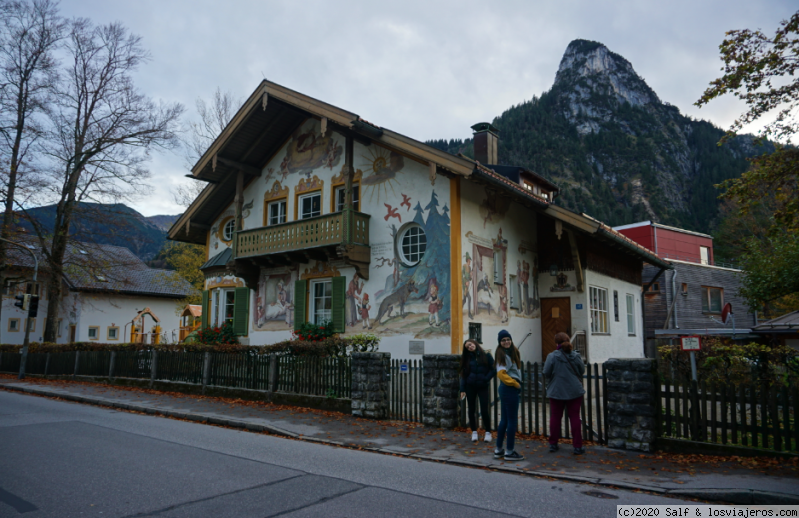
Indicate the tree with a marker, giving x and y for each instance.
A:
(762, 71)
(198, 137)
(186, 259)
(102, 129)
(29, 34)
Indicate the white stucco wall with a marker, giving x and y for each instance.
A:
(618, 343)
(106, 311)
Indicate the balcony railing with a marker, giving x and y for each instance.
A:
(321, 231)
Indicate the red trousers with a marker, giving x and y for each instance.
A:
(572, 406)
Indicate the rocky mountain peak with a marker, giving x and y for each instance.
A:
(593, 82)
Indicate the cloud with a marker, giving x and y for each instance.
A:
(425, 69)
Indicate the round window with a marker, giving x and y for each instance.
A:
(227, 232)
(412, 244)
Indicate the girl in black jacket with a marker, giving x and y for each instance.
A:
(477, 369)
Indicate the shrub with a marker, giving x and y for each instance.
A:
(310, 332)
(722, 360)
(220, 335)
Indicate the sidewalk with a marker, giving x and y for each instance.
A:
(726, 479)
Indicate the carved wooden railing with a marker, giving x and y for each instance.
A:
(308, 233)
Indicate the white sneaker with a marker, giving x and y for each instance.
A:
(487, 437)
(474, 436)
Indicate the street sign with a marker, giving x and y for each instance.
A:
(403, 367)
(691, 343)
(579, 306)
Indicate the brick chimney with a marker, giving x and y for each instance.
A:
(486, 140)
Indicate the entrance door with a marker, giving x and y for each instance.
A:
(556, 317)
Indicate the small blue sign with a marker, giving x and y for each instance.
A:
(579, 306)
(403, 367)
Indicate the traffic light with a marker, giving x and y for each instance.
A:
(34, 306)
(23, 302)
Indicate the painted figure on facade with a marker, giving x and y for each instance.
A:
(522, 302)
(502, 290)
(364, 308)
(526, 287)
(308, 150)
(466, 274)
(274, 309)
(435, 304)
(398, 298)
(353, 291)
(485, 295)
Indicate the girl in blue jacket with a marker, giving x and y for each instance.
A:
(477, 369)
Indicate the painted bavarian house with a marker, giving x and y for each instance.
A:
(312, 213)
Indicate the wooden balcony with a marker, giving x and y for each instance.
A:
(320, 238)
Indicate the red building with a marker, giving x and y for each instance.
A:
(671, 242)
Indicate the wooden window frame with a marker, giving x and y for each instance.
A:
(684, 289)
(108, 333)
(220, 233)
(268, 203)
(18, 329)
(333, 198)
(596, 327)
(307, 194)
(630, 301)
(96, 335)
(311, 313)
(706, 298)
(398, 245)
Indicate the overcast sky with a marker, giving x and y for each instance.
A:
(426, 69)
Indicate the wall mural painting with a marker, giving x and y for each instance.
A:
(493, 208)
(274, 301)
(223, 281)
(216, 231)
(308, 150)
(527, 279)
(414, 300)
(380, 172)
(484, 280)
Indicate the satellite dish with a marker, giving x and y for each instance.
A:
(726, 312)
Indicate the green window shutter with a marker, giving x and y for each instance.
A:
(205, 316)
(300, 289)
(339, 290)
(241, 311)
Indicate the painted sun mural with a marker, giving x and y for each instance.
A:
(380, 172)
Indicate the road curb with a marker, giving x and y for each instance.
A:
(732, 496)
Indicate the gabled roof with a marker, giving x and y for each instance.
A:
(97, 268)
(515, 173)
(260, 127)
(788, 323)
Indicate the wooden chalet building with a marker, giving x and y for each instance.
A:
(688, 300)
(312, 213)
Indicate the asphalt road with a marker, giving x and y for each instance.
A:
(61, 459)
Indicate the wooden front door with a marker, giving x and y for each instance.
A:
(556, 317)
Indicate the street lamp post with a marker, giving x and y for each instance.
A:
(26, 341)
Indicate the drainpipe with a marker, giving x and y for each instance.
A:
(655, 232)
(673, 303)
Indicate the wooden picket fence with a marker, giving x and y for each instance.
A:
(331, 377)
(406, 400)
(750, 414)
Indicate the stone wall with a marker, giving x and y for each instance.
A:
(631, 403)
(441, 390)
(370, 385)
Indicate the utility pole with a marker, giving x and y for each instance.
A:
(26, 341)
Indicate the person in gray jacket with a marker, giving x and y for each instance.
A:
(564, 373)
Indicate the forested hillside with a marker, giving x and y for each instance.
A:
(616, 151)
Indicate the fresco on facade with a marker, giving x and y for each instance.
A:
(485, 289)
(274, 302)
(414, 300)
(493, 208)
(307, 150)
(527, 280)
(380, 168)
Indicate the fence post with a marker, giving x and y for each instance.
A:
(631, 403)
(46, 364)
(111, 365)
(440, 403)
(273, 372)
(77, 359)
(206, 369)
(153, 367)
(370, 385)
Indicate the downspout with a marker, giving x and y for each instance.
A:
(655, 232)
(643, 304)
(673, 303)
